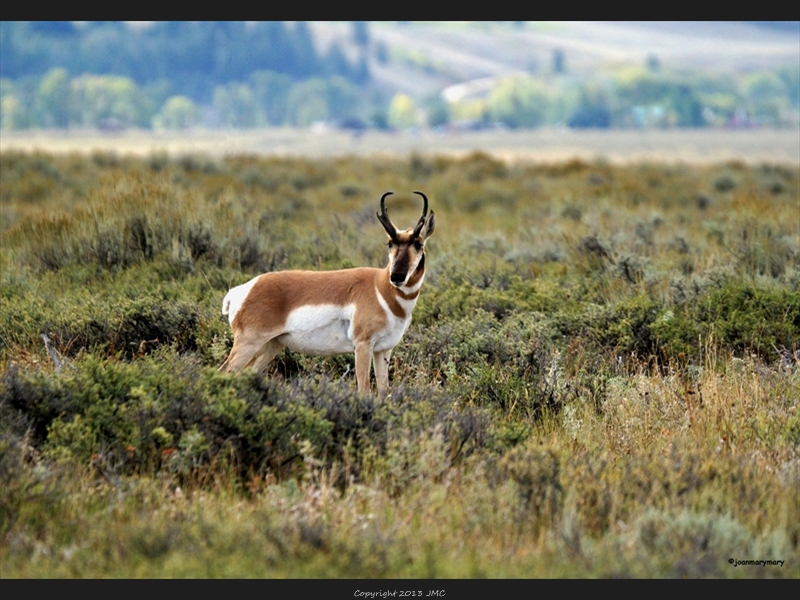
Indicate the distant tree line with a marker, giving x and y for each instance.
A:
(172, 75)
(193, 56)
(263, 99)
(646, 96)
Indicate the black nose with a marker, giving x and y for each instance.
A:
(397, 278)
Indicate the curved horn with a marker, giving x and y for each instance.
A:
(421, 222)
(384, 218)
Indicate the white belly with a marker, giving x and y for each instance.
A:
(321, 330)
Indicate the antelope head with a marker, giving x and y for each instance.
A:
(406, 247)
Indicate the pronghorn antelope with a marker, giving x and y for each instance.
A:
(362, 310)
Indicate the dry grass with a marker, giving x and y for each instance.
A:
(601, 379)
(701, 146)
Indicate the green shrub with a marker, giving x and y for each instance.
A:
(169, 412)
(694, 545)
(746, 317)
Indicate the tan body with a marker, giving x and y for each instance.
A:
(362, 310)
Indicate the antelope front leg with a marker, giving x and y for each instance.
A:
(363, 361)
(381, 363)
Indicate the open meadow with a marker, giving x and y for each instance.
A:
(601, 378)
(622, 146)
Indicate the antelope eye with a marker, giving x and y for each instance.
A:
(417, 246)
(389, 244)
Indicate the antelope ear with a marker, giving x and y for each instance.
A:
(427, 229)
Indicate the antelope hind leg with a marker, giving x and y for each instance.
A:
(246, 348)
(269, 351)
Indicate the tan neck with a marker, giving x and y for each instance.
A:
(391, 293)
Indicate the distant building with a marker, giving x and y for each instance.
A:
(475, 89)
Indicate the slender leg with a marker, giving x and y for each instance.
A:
(363, 360)
(270, 350)
(381, 365)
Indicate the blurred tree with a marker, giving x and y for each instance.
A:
(18, 101)
(320, 99)
(96, 98)
(342, 98)
(193, 58)
(307, 103)
(196, 56)
(766, 95)
(6, 87)
(718, 94)
(402, 112)
(9, 105)
(790, 75)
(469, 111)
(178, 112)
(593, 109)
(688, 109)
(377, 110)
(11, 114)
(763, 85)
(437, 111)
(271, 91)
(638, 86)
(157, 93)
(235, 105)
(52, 99)
(518, 102)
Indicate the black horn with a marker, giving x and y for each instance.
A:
(384, 218)
(421, 222)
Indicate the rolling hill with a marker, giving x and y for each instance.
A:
(425, 57)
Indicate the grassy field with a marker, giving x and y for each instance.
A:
(690, 146)
(602, 376)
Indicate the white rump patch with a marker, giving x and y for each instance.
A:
(235, 297)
